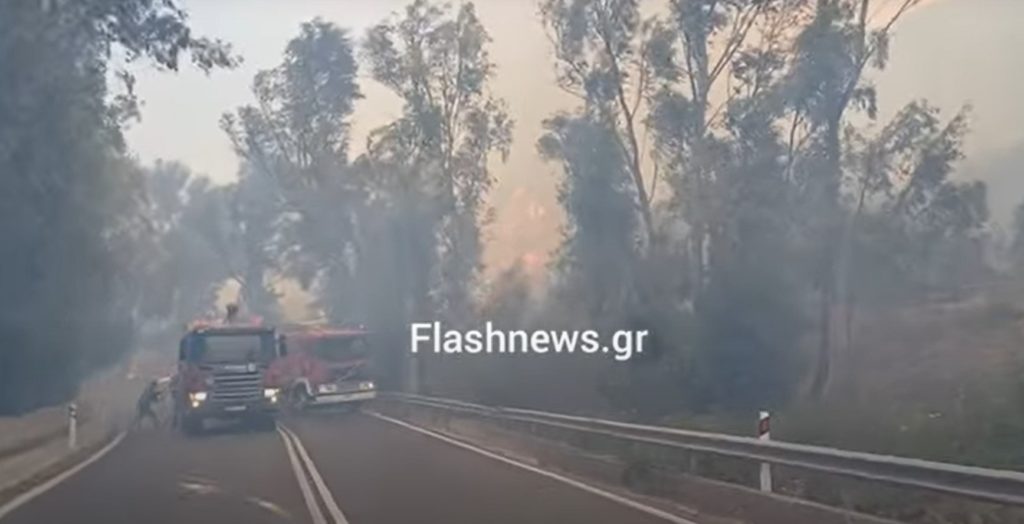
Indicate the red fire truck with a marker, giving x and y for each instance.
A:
(326, 366)
(227, 371)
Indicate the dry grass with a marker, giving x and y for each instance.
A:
(937, 382)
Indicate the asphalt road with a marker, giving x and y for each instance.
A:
(337, 469)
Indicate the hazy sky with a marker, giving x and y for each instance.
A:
(949, 51)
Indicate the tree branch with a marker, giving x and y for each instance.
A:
(740, 30)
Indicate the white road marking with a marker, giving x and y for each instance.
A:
(199, 488)
(300, 477)
(318, 481)
(650, 510)
(270, 506)
(27, 496)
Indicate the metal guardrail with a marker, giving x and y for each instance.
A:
(991, 485)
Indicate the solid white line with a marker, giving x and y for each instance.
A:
(650, 510)
(321, 486)
(27, 496)
(300, 477)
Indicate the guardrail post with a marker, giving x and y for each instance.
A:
(764, 432)
(72, 426)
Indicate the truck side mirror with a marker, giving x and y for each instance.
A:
(181, 350)
(282, 345)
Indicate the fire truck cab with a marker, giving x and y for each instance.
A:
(328, 367)
(227, 372)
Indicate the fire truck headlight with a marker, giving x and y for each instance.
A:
(366, 385)
(271, 394)
(197, 398)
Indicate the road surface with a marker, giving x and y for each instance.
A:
(338, 469)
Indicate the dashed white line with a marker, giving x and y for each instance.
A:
(650, 510)
(27, 496)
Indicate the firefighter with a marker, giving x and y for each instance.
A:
(144, 406)
(232, 314)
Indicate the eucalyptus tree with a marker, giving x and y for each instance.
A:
(68, 197)
(294, 203)
(438, 63)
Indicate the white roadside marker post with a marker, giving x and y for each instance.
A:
(764, 433)
(72, 426)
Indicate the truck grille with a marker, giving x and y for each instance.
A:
(237, 387)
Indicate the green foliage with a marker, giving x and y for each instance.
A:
(779, 204)
(292, 208)
(71, 202)
(439, 65)
(778, 197)
(599, 253)
(748, 326)
(607, 55)
(914, 227)
(728, 187)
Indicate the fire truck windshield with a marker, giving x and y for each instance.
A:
(214, 348)
(339, 349)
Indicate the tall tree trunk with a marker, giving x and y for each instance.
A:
(633, 149)
(823, 363)
(847, 258)
(830, 234)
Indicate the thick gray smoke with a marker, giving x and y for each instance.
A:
(727, 183)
